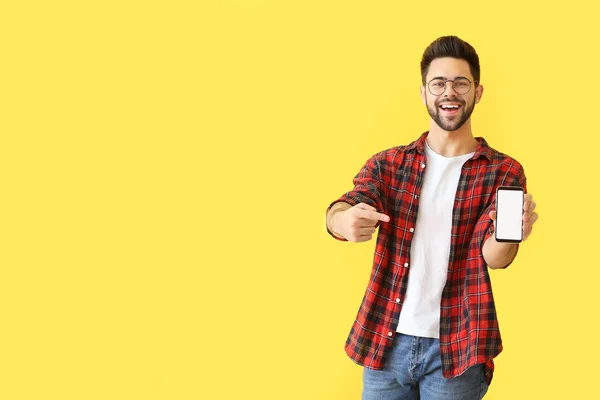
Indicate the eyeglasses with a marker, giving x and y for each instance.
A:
(437, 86)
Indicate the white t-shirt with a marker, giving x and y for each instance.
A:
(430, 249)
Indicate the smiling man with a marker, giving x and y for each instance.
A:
(427, 326)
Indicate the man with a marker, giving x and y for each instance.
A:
(427, 326)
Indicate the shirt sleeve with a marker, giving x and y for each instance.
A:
(368, 188)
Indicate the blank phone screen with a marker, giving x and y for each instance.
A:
(509, 215)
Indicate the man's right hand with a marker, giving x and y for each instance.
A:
(358, 223)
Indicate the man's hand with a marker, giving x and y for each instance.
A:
(499, 254)
(529, 215)
(358, 223)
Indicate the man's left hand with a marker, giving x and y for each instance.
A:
(529, 215)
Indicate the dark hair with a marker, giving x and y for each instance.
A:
(451, 46)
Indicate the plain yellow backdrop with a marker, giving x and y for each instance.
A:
(165, 167)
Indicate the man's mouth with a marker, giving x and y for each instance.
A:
(450, 108)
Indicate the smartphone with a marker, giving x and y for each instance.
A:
(509, 214)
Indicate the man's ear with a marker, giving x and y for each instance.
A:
(478, 93)
(423, 95)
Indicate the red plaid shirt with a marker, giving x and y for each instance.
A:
(391, 181)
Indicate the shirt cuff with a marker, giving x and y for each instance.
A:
(489, 233)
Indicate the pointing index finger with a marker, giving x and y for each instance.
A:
(374, 215)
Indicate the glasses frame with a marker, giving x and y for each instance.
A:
(451, 80)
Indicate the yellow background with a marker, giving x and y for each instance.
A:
(165, 167)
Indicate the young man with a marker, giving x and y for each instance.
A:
(427, 326)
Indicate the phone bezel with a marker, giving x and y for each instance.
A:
(497, 214)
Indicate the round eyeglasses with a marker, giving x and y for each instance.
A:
(437, 86)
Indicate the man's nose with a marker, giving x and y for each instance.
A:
(450, 92)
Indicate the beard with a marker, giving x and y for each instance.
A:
(456, 121)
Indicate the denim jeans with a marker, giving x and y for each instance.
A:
(413, 371)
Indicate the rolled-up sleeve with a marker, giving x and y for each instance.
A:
(368, 188)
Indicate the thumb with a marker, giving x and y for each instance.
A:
(493, 215)
(365, 206)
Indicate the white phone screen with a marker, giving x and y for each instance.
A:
(509, 214)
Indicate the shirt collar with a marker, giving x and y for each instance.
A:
(483, 149)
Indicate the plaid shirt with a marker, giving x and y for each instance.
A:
(391, 182)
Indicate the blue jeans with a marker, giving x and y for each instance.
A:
(413, 371)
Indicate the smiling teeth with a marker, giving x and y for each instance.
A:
(449, 106)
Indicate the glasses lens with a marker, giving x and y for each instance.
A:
(462, 85)
(437, 86)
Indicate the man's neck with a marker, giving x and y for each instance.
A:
(452, 144)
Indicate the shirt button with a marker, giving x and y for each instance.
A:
(412, 229)
(406, 264)
(398, 300)
(423, 165)
(390, 334)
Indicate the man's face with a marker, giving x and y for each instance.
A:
(450, 110)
